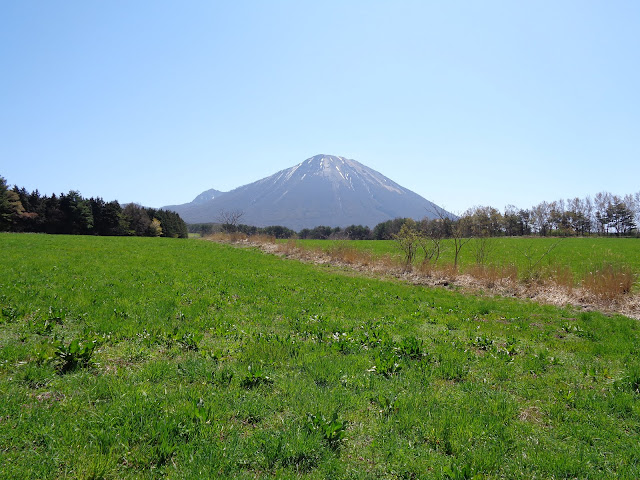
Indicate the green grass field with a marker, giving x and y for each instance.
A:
(163, 358)
(581, 255)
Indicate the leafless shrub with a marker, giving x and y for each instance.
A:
(483, 246)
(533, 270)
(430, 242)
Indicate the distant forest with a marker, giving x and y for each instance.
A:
(605, 214)
(70, 213)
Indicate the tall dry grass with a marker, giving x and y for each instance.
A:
(237, 237)
(492, 275)
(562, 276)
(262, 238)
(226, 237)
(609, 281)
(343, 253)
(289, 247)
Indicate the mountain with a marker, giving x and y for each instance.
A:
(322, 190)
(204, 197)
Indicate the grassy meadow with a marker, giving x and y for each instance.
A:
(581, 254)
(164, 358)
(545, 255)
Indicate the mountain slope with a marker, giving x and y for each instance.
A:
(204, 197)
(322, 190)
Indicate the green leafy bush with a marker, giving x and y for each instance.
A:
(412, 348)
(333, 431)
(386, 363)
(76, 354)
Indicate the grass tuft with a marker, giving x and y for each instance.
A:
(609, 281)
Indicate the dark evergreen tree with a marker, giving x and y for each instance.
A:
(53, 216)
(620, 217)
(201, 228)
(107, 217)
(357, 232)
(278, 231)
(136, 220)
(34, 218)
(171, 223)
(246, 229)
(389, 229)
(321, 232)
(21, 211)
(6, 208)
(77, 215)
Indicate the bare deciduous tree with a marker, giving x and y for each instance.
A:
(534, 259)
(430, 240)
(483, 246)
(460, 238)
(458, 229)
(230, 219)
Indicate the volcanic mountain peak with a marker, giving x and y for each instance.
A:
(338, 171)
(322, 190)
(204, 197)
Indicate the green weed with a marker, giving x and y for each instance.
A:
(332, 430)
(255, 377)
(74, 355)
(385, 363)
(412, 348)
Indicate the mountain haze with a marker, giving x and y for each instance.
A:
(322, 190)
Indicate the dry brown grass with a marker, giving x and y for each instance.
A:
(609, 281)
(263, 239)
(562, 276)
(289, 247)
(226, 237)
(532, 415)
(492, 275)
(387, 262)
(238, 237)
(426, 269)
(343, 253)
(450, 271)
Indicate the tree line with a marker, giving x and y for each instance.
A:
(605, 214)
(70, 213)
(353, 232)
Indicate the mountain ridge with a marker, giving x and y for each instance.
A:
(321, 190)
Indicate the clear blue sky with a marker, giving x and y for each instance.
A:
(464, 102)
